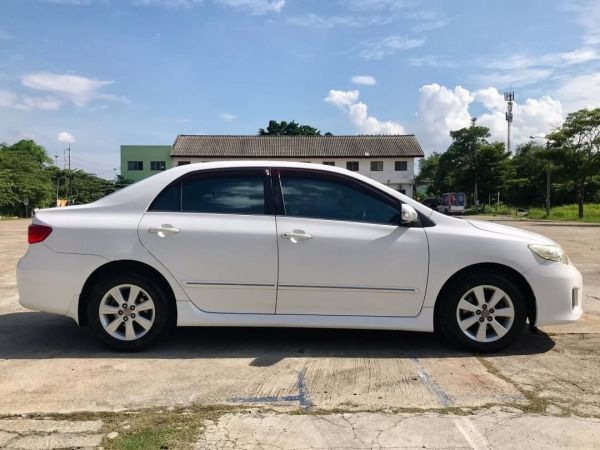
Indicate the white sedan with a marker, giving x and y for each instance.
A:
(283, 244)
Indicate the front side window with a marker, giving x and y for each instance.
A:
(352, 165)
(135, 165)
(319, 198)
(243, 194)
(376, 166)
(157, 165)
(400, 166)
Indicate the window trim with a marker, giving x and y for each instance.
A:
(400, 170)
(216, 173)
(131, 163)
(376, 170)
(336, 178)
(357, 165)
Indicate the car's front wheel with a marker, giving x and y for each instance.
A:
(483, 312)
(129, 312)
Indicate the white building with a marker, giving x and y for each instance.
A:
(389, 159)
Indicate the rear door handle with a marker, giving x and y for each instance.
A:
(296, 236)
(164, 230)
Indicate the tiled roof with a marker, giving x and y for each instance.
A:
(264, 147)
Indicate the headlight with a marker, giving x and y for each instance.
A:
(550, 252)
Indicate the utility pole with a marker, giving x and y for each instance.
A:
(509, 97)
(67, 161)
(547, 173)
(57, 177)
(474, 145)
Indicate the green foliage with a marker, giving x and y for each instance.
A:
(79, 186)
(470, 156)
(575, 150)
(292, 128)
(24, 176)
(568, 212)
(26, 172)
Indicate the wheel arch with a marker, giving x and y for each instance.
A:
(490, 267)
(122, 266)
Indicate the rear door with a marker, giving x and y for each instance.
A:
(215, 232)
(341, 250)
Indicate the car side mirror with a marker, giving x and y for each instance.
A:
(408, 215)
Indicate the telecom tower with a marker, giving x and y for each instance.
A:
(509, 97)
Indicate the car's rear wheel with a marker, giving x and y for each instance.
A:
(129, 312)
(482, 312)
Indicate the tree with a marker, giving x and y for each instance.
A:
(575, 148)
(427, 173)
(528, 186)
(292, 128)
(23, 177)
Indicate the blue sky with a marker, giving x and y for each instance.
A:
(101, 73)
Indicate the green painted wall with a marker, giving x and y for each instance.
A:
(146, 154)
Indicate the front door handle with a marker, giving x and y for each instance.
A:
(164, 230)
(296, 236)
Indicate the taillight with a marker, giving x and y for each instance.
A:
(37, 233)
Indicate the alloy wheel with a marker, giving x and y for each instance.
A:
(127, 312)
(485, 313)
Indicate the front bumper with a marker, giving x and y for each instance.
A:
(558, 291)
(51, 282)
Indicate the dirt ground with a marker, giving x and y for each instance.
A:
(267, 378)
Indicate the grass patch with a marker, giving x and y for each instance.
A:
(591, 213)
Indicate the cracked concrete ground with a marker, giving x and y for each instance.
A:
(502, 428)
(50, 366)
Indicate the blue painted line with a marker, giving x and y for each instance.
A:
(302, 398)
(443, 397)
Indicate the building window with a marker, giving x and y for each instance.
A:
(400, 166)
(157, 165)
(329, 163)
(352, 165)
(376, 166)
(135, 165)
(182, 163)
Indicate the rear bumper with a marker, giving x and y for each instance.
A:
(558, 290)
(51, 282)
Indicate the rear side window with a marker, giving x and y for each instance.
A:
(224, 194)
(329, 199)
(169, 199)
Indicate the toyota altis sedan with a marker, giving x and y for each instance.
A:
(281, 244)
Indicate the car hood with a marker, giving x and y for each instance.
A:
(530, 237)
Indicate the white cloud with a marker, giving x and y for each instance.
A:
(431, 61)
(378, 5)
(359, 115)
(315, 21)
(227, 117)
(388, 46)
(367, 80)
(441, 110)
(7, 98)
(76, 89)
(342, 98)
(523, 69)
(579, 92)
(256, 7)
(66, 137)
(30, 103)
(171, 4)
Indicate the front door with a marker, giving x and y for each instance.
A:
(342, 252)
(215, 232)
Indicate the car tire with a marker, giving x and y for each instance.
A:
(482, 312)
(129, 312)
